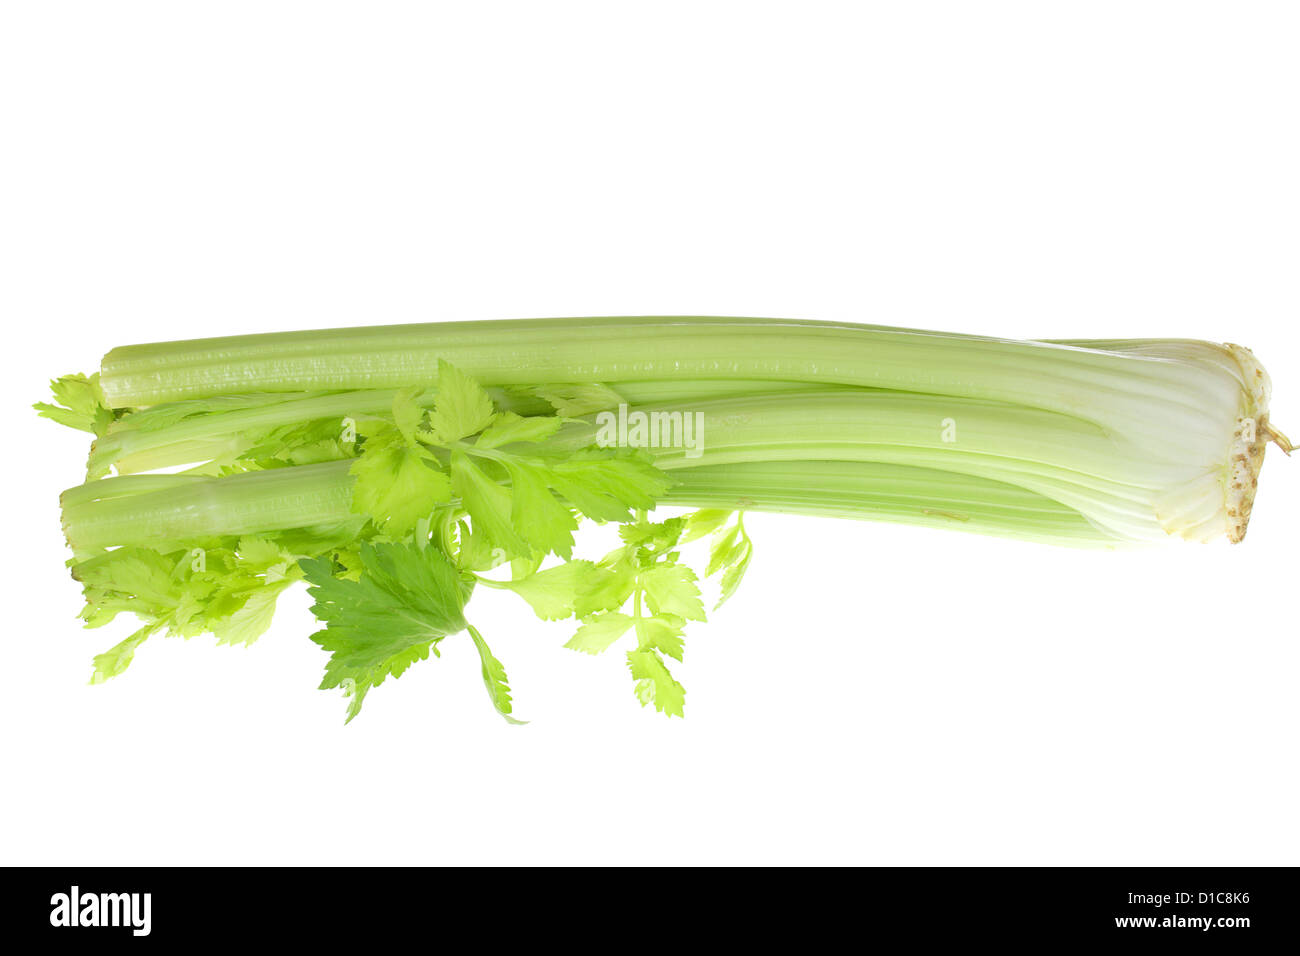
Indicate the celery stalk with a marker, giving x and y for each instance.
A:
(189, 508)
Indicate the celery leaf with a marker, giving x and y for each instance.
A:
(606, 484)
(663, 632)
(461, 408)
(599, 631)
(508, 428)
(489, 504)
(80, 404)
(671, 589)
(654, 683)
(539, 518)
(730, 553)
(397, 484)
(407, 600)
(494, 678)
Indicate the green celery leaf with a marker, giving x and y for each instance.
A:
(80, 404)
(221, 586)
(312, 453)
(508, 428)
(599, 631)
(662, 632)
(605, 484)
(539, 518)
(494, 678)
(474, 551)
(731, 553)
(140, 573)
(397, 485)
(461, 407)
(734, 574)
(704, 522)
(575, 589)
(252, 619)
(553, 593)
(117, 658)
(576, 400)
(407, 599)
(654, 684)
(605, 587)
(407, 414)
(671, 589)
(321, 539)
(656, 538)
(316, 439)
(724, 550)
(489, 504)
(267, 557)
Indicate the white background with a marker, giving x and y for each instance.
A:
(874, 694)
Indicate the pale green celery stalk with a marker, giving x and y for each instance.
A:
(147, 509)
(128, 511)
(886, 492)
(1131, 490)
(1112, 388)
(132, 447)
(222, 436)
(679, 391)
(104, 490)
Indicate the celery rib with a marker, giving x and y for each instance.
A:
(1075, 381)
(196, 508)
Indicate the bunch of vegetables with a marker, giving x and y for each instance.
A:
(399, 469)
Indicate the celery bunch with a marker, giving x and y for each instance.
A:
(397, 469)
